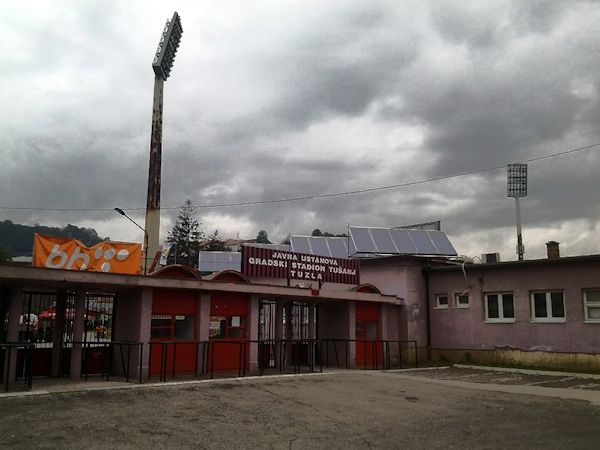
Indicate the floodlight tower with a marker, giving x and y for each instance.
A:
(516, 186)
(162, 64)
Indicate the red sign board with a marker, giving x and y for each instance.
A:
(269, 263)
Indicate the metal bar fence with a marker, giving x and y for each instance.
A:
(107, 362)
(26, 371)
(282, 355)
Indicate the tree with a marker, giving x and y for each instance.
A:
(19, 238)
(262, 237)
(185, 236)
(6, 255)
(317, 232)
(214, 243)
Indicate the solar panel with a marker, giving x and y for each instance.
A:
(338, 247)
(383, 241)
(219, 261)
(442, 242)
(399, 241)
(403, 241)
(361, 237)
(319, 246)
(299, 244)
(422, 242)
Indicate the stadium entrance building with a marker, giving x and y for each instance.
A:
(266, 308)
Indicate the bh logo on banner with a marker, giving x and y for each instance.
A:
(62, 253)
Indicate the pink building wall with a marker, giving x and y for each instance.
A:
(457, 328)
(403, 278)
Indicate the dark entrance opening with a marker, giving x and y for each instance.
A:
(266, 334)
(38, 325)
(296, 320)
(98, 332)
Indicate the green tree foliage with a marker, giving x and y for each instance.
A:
(262, 237)
(5, 255)
(19, 238)
(317, 232)
(185, 237)
(213, 243)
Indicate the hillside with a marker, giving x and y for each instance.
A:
(18, 239)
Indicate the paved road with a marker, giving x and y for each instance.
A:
(349, 410)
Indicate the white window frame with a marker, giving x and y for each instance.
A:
(439, 305)
(457, 303)
(549, 318)
(587, 305)
(500, 319)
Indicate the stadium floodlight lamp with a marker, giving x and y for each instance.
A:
(167, 47)
(161, 65)
(516, 180)
(516, 186)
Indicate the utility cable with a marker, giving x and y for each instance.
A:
(329, 195)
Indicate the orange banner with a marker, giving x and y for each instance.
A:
(62, 253)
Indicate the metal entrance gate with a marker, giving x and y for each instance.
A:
(98, 331)
(267, 350)
(296, 329)
(47, 322)
(38, 325)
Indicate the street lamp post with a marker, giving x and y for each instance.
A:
(120, 211)
(162, 64)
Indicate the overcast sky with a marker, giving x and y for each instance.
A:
(278, 99)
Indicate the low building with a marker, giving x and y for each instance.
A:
(543, 312)
(179, 322)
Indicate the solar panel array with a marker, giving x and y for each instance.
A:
(218, 261)
(336, 247)
(362, 241)
(399, 241)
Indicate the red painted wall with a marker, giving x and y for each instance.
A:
(367, 311)
(174, 302)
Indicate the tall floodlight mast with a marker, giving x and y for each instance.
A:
(516, 186)
(162, 64)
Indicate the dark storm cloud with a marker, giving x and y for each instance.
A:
(268, 107)
(342, 71)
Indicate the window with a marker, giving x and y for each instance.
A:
(547, 307)
(591, 304)
(366, 329)
(222, 327)
(441, 301)
(161, 326)
(167, 326)
(462, 300)
(499, 308)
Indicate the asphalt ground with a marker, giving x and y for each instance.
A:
(346, 410)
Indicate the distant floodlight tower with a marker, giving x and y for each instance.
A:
(162, 64)
(516, 187)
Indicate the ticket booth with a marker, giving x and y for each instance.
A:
(229, 326)
(173, 329)
(228, 330)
